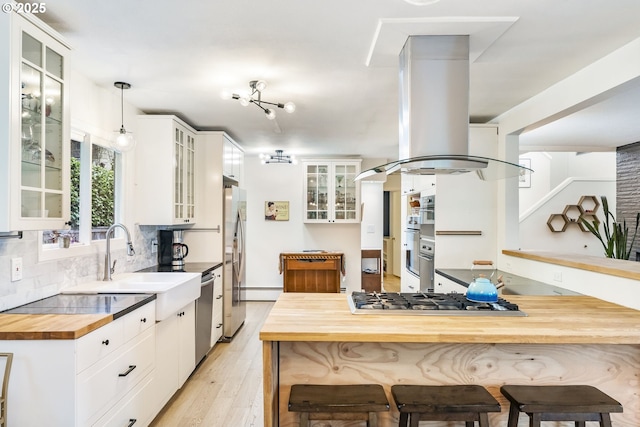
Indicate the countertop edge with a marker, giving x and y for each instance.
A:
(624, 268)
(17, 327)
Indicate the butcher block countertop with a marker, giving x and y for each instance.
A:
(550, 320)
(50, 326)
(67, 317)
(613, 267)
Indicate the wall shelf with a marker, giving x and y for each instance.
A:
(585, 209)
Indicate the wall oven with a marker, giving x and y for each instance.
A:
(427, 268)
(413, 245)
(428, 209)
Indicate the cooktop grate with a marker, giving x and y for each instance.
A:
(427, 303)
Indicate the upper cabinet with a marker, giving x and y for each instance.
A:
(232, 160)
(332, 195)
(165, 173)
(34, 126)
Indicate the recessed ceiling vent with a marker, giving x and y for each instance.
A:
(434, 112)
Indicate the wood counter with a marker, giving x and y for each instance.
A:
(314, 338)
(612, 267)
(50, 326)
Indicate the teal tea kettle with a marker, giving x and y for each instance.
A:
(482, 290)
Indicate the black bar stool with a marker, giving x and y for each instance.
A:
(468, 403)
(579, 403)
(338, 402)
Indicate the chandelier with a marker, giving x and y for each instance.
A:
(255, 98)
(277, 158)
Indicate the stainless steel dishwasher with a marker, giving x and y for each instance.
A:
(204, 312)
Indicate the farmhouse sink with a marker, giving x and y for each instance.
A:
(173, 290)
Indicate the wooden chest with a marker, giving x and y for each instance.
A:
(311, 271)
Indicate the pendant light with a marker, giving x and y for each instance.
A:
(124, 141)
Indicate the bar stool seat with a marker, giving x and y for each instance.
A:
(578, 403)
(469, 403)
(338, 402)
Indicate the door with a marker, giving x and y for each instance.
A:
(413, 249)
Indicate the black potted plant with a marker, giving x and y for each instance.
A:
(616, 234)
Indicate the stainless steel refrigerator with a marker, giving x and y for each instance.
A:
(234, 307)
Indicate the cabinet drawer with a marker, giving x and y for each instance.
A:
(140, 320)
(99, 343)
(134, 409)
(105, 383)
(312, 264)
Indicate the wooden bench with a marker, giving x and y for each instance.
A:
(338, 402)
(468, 403)
(578, 403)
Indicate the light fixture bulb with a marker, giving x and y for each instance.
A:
(270, 113)
(289, 107)
(261, 85)
(244, 101)
(226, 94)
(124, 141)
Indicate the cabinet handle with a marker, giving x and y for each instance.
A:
(105, 342)
(128, 371)
(219, 326)
(143, 320)
(132, 421)
(219, 296)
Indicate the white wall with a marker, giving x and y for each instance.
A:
(553, 168)
(267, 239)
(560, 179)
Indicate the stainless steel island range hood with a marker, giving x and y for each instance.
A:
(434, 113)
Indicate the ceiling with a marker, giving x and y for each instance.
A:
(180, 56)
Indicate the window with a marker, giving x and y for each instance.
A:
(94, 176)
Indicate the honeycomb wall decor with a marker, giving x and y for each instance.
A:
(586, 209)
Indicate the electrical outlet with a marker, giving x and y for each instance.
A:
(16, 269)
(557, 276)
(154, 246)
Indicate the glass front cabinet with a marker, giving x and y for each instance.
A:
(332, 195)
(167, 149)
(35, 134)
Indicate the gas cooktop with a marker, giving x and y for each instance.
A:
(427, 303)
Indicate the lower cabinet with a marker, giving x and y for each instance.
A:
(85, 382)
(445, 286)
(175, 353)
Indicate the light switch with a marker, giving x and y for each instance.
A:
(371, 228)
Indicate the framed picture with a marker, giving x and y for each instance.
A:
(524, 180)
(276, 211)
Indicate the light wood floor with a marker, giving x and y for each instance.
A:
(226, 389)
(391, 283)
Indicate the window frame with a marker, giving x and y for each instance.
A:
(87, 246)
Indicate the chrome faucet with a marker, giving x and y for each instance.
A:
(108, 268)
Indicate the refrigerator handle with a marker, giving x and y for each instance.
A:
(236, 254)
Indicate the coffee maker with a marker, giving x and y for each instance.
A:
(171, 249)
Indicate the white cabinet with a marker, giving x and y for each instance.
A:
(166, 171)
(85, 381)
(232, 159)
(466, 203)
(217, 316)
(444, 286)
(331, 194)
(34, 126)
(175, 353)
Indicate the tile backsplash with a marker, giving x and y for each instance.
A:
(46, 278)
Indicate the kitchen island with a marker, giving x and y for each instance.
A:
(315, 339)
